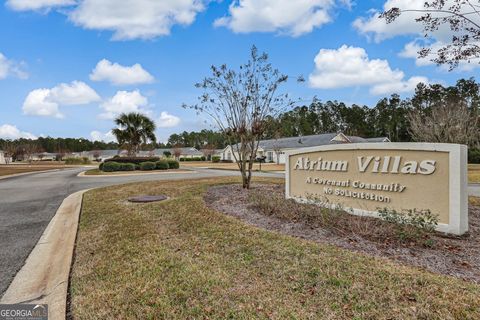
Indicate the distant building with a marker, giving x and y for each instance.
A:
(2, 157)
(185, 152)
(43, 156)
(274, 149)
(101, 155)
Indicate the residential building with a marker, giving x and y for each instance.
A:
(43, 156)
(274, 150)
(2, 157)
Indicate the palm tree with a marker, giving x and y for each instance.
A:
(133, 130)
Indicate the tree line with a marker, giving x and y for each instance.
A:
(435, 113)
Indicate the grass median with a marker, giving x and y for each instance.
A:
(6, 170)
(180, 260)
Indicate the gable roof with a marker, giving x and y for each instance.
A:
(314, 140)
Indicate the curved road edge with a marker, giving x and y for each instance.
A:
(26, 173)
(44, 277)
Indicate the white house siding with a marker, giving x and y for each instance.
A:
(269, 148)
(2, 157)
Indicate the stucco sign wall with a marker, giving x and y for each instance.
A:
(364, 178)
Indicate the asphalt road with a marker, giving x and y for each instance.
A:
(28, 203)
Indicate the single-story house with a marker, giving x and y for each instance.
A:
(274, 149)
(97, 155)
(43, 156)
(184, 152)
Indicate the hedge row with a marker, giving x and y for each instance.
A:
(112, 166)
(194, 159)
(474, 155)
(134, 160)
(83, 160)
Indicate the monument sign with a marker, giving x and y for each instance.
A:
(363, 178)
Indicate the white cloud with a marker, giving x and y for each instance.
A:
(105, 137)
(46, 102)
(284, 16)
(11, 68)
(167, 120)
(8, 131)
(405, 24)
(398, 87)
(120, 75)
(351, 66)
(133, 19)
(25, 5)
(124, 102)
(412, 48)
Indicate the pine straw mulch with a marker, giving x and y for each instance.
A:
(264, 206)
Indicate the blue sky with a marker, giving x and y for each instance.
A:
(67, 67)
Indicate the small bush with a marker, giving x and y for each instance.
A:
(182, 159)
(100, 166)
(474, 155)
(77, 161)
(173, 164)
(127, 167)
(226, 161)
(162, 165)
(111, 166)
(410, 224)
(203, 158)
(147, 166)
(215, 159)
(134, 160)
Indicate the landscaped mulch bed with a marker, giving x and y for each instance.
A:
(455, 256)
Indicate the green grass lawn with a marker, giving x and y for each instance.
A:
(181, 260)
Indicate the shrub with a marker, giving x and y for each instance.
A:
(127, 167)
(111, 166)
(182, 159)
(173, 164)
(148, 165)
(162, 165)
(226, 161)
(215, 159)
(410, 224)
(474, 155)
(167, 154)
(74, 161)
(100, 166)
(134, 160)
(203, 158)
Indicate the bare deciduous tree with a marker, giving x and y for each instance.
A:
(463, 19)
(177, 152)
(10, 151)
(449, 122)
(239, 103)
(96, 155)
(208, 151)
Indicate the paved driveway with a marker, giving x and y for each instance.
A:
(28, 203)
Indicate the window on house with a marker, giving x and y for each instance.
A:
(269, 156)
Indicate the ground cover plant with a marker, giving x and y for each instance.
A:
(407, 237)
(179, 259)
